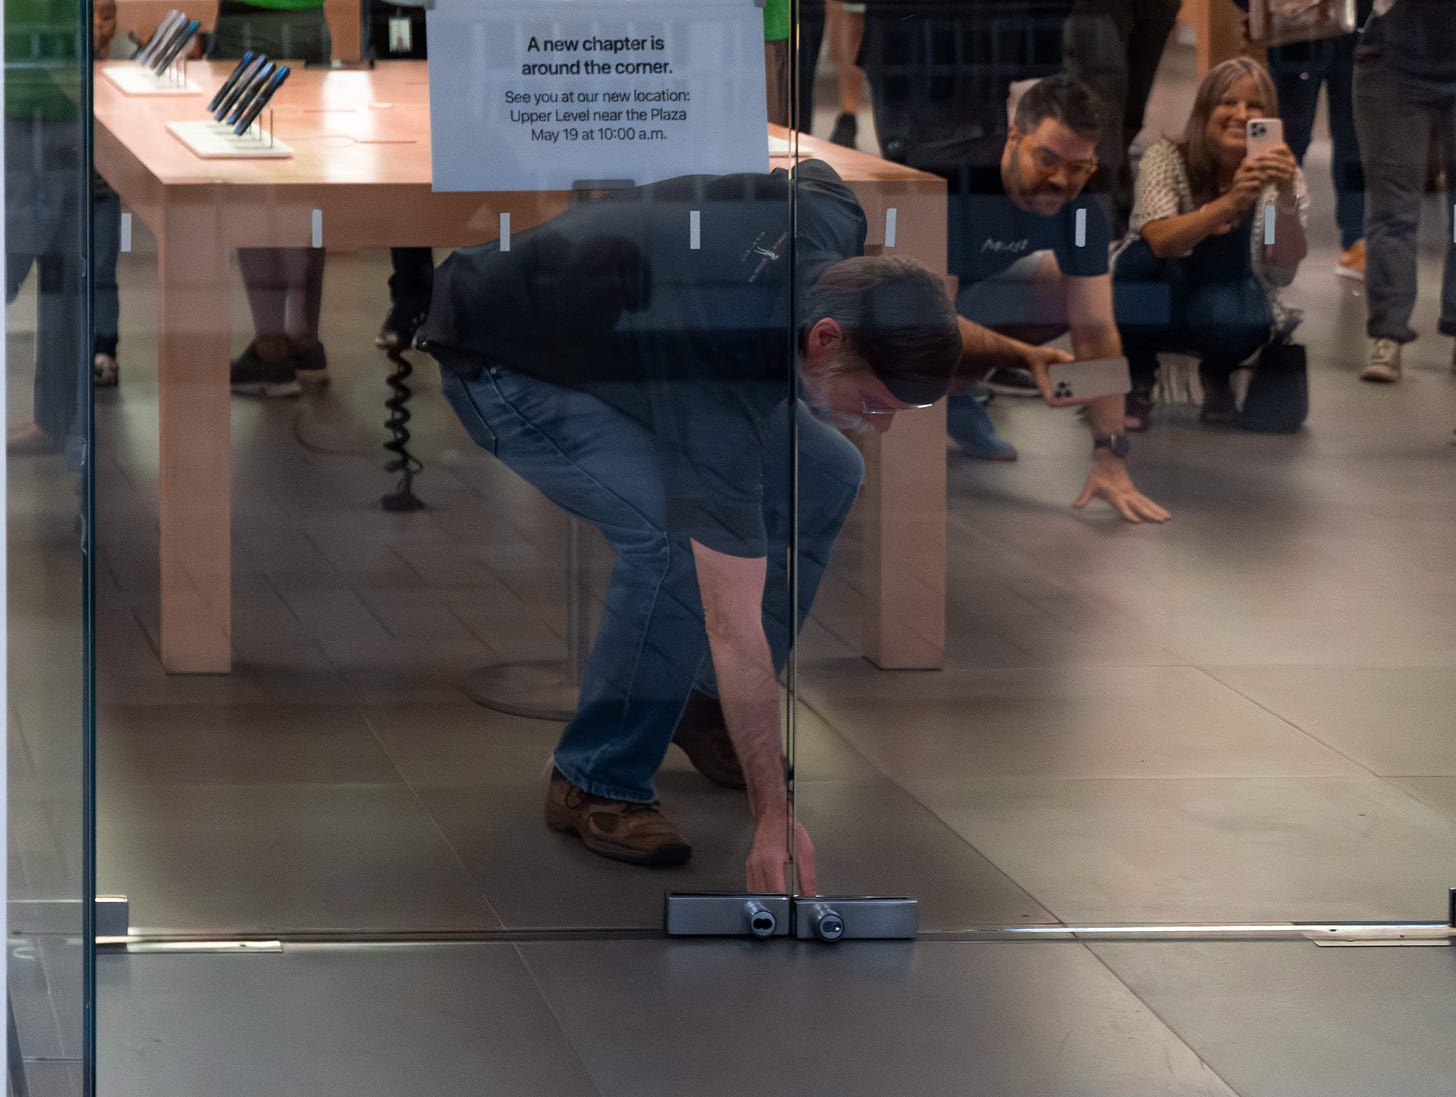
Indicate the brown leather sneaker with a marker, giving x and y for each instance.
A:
(703, 735)
(638, 834)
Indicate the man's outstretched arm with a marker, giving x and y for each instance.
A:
(732, 593)
(984, 351)
(1094, 335)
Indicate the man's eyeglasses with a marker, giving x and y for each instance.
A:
(1048, 162)
(866, 408)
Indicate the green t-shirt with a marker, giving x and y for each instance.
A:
(775, 20)
(286, 5)
(42, 59)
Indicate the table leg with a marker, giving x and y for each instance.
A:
(903, 502)
(903, 508)
(194, 439)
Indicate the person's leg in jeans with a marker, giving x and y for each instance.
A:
(603, 467)
(1227, 322)
(58, 350)
(1387, 113)
(1345, 151)
(1298, 71)
(43, 231)
(1144, 292)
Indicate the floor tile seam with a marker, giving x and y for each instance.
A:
(1161, 1019)
(556, 1017)
(958, 837)
(316, 643)
(476, 885)
(828, 627)
(141, 627)
(1203, 669)
(1282, 778)
(482, 640)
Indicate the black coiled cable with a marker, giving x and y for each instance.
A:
(403, 462)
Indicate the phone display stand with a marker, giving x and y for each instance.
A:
(134, 79)
(216, 141)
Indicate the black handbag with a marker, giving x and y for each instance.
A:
(1277, 401)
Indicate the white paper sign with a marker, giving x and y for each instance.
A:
(547, 94)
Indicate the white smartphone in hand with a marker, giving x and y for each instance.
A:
(1263, 134)
(1089, 378)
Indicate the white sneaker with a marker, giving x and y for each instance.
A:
(1384, 364)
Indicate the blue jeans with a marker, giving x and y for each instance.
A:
(45, 230)
(1182, 305)
(652, 648)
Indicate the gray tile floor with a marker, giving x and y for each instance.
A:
(1242, 715)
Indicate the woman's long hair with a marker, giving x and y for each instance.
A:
(1199, 155)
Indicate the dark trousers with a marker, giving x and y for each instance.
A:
(1394, 115)
(45, 232)
(1179, 305)
(1115, 46)
(106, 248)
(1299, 71)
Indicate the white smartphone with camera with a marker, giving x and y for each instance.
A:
(1263, 134)
(1089, 378)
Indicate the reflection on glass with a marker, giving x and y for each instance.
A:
(643, 379)
(1124, 713)
(47, 195)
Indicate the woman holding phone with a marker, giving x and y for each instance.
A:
(1197, 271)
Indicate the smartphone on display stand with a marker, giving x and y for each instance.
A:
(163, 39)
(160, 35)
(245, 93)
(254, 89)
(1264, 134)
(231, 81)
(263, 99)
(1089, 378)
(245, 82)
(180, 43)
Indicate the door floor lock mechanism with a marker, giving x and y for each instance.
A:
(856, 918)
(727, 914)
(808, 917)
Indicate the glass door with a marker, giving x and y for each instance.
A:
(1026, 697)
(452, 712)
(47, 371)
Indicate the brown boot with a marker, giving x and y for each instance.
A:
(638, 834)
(703, 735)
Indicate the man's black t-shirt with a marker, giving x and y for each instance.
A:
(989, 232)
(697, 344)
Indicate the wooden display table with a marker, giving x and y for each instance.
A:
(362, 163)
